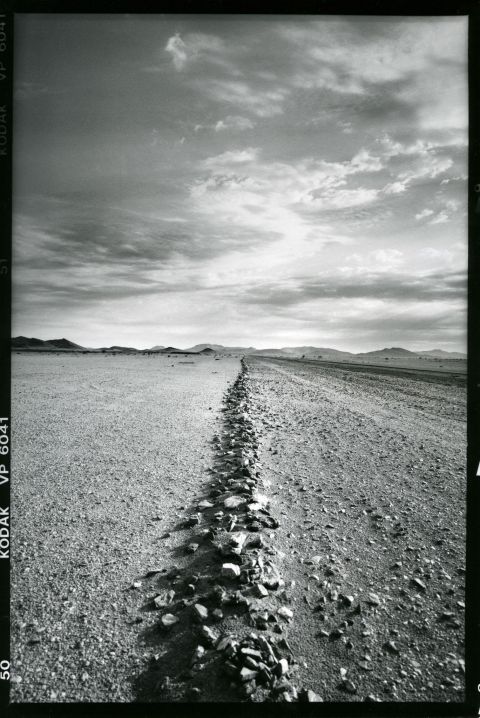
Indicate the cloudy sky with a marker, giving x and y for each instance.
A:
(266, 181)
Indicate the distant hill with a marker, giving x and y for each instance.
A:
(220, 349)
(63, 344)
(315, 352)
(122, 349)
(39, 344)
(392, 352)
(270, 352)
(310, 352)
(441, 354)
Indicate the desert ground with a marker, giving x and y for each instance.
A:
(231, 530)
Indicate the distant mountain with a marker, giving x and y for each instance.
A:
(270, 352)
(441, 354)
(63, 344)
(157, 348)
(220, 349)
(122, 349)
(50, 344)
(26, 343)
(207, 350)
(308, 351)
(392, 352)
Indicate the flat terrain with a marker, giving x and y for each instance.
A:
(367, 473)
(347, 482)
(106, 451)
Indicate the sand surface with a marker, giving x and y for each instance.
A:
(365, 530)
(106, 453)
(367, 476)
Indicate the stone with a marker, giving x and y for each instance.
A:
(208, 634)
(373, 599)
(192, 547)
(232, 502)
(199, 653)
(238, 539)
(168, 620)
(201, 612)
(230, 570)
(285, 612)
(282, 668)
(349, 686)
(205, 505)
(193, 693)
(391, 647)
(260, 591)
(418, 583)
(247, 674)
(312, 697)
(153, 572)
(192, 521)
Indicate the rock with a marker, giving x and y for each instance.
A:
(260, 591)
(418, 583)
(168, 620)
(217, 614)
(193, 693)
(373, 599)
(136, 584)
(153, 572)
(282, 668)
(201, 612)
(285, 612)
(391, 647)
(348, 686)
(251, 653)
(232, 502)
(247, 674)
(208, 634)
(224, 642)
(205, 505)
(192, 521)
(335, 634)
(198, 654)
(238, 539)
(192, 547)
(230, 570)
(312, 697)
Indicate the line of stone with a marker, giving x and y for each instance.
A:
(236, 521)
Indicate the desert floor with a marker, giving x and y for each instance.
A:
(338, 493)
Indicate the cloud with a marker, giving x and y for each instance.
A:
(424, 214)
(378, 286)
(232, 157)
(234, 122)
(178, 50)
(264, 101)
(195, 47)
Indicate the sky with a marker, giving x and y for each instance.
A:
(241, 180)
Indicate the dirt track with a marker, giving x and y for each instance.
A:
(367, 479)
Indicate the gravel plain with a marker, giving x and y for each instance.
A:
(106, 453)
(185, 532)
(367, 474)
